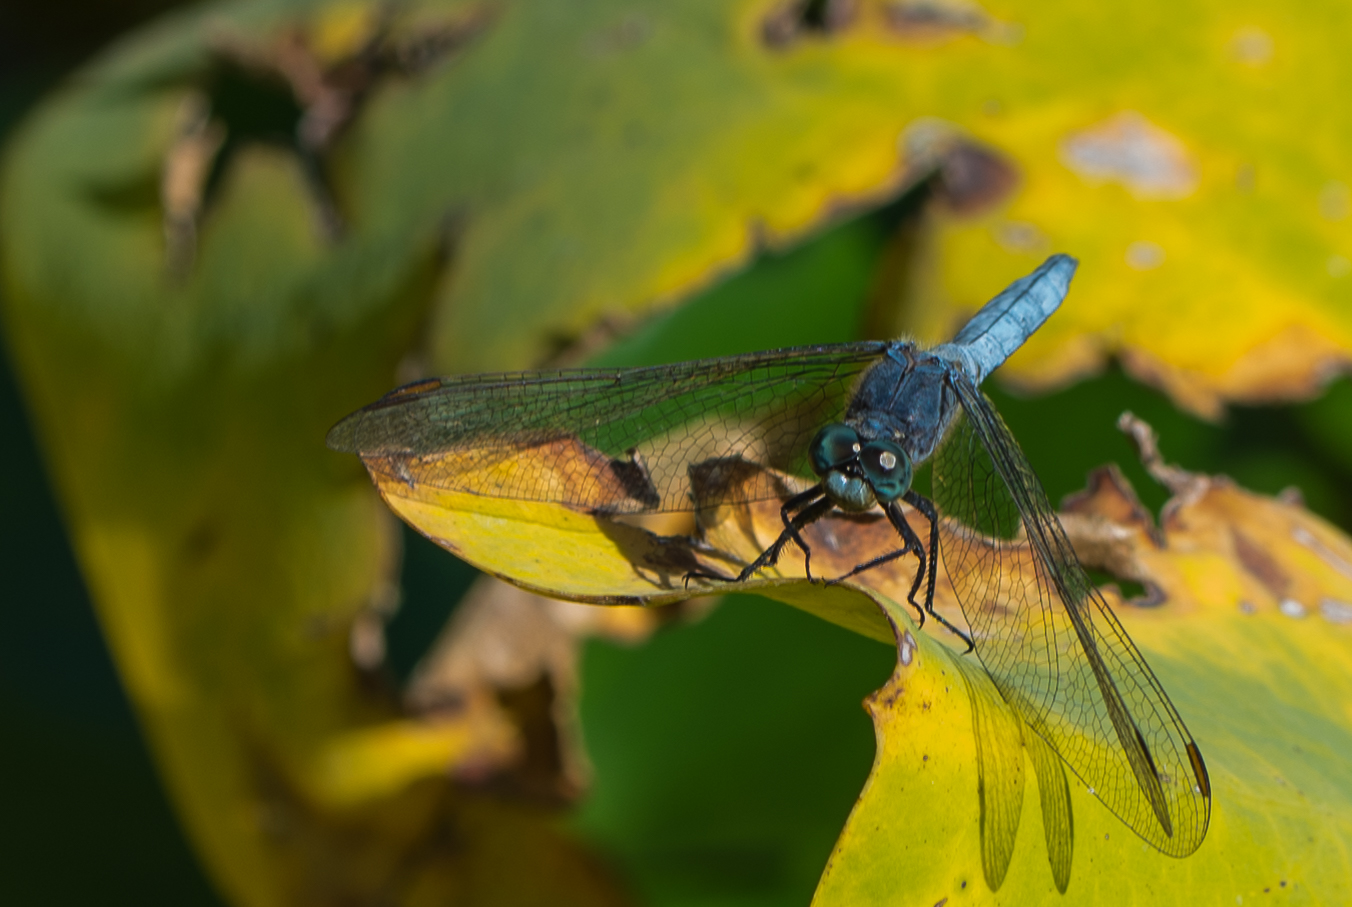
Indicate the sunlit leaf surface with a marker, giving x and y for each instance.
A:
(1261, 678)
(1193, 158)
(1236, 581)
(725, 126)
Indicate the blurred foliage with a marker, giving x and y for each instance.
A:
(226, 233)
(738, 792)
(60, 699)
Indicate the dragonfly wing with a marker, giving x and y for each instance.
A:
(1054, 649)
(613, 440)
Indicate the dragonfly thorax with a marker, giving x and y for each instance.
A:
(905, 398)
(856, 474)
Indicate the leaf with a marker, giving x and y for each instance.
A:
(620, 180)
(1211, 221)
(1261, 685)
(184, 365)
(1225, 569)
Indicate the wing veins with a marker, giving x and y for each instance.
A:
(1142, 764)
(1056, 557)
(690, 410)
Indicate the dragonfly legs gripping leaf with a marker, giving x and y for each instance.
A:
(812, 504)
(927, 563)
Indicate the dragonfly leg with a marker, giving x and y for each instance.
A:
(811, 513)
(926, 508)
(812, 505)
(903, 527)
(794, 503)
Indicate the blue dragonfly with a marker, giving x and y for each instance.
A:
(856, 420)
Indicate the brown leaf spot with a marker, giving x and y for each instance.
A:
(965, 177)
(1260, 564)
(974, 178)
(790, 21)
(885, 699)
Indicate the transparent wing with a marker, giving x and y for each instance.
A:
(615, 440)
(1054, 649)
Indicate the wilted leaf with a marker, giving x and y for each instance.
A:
(1264, 690)
(1230, 575)
(501, 644)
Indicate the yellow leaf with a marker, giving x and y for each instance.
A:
(1260, 678)
(1249, 593)
(1181, 160)
(1207, 197)
(365, 765)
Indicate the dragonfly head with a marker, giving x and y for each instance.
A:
(856, 473)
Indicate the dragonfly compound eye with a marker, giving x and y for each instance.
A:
(833, 447)
(887, 469)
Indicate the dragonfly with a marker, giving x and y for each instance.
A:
(857, 420)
